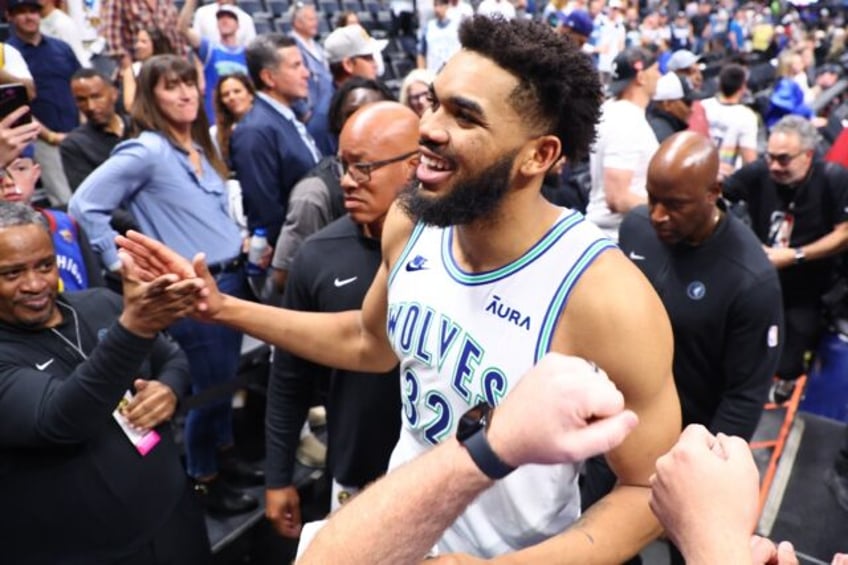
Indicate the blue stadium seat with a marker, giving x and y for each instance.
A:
(351, 5)
(366, 20)
(384, 20)
(278, 7)
(283, 24)
(251, 6)
(330, 7)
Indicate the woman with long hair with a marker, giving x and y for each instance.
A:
(148, 42)
(234, 97)
(171, 179)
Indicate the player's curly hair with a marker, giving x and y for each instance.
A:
(559, 91)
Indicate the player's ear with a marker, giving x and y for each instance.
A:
(539, 155)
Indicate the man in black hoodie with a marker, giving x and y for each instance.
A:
(89, 472)
(671, 108)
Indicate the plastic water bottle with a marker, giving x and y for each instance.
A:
(258, 245)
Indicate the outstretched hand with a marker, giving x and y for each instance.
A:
(150, 307)
(563, 410)
(153, 259)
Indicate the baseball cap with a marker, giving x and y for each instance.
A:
(627, 65)
(28, 152)
(12, 4)
(351, 41)
(682, 59)
(226, 10)
(580, 22)
(672, 87)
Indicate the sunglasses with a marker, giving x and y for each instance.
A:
(782, 159)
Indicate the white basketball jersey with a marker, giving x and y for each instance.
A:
(466, 337)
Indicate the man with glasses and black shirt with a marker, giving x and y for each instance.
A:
(331, 273)
(799, 211)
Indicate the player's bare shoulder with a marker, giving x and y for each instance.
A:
(396, 232)
(612, 302)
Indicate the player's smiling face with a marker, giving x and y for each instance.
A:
(470, 138)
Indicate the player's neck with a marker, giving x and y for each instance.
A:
(504, 236)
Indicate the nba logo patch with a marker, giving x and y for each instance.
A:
(67, 235)
(696, 290)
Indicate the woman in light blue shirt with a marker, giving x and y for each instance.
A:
(172, 180)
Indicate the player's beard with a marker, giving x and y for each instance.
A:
(470, 200)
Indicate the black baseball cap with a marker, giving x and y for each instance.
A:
(627, 65)
(12, 4)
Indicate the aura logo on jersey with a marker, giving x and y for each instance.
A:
(439, 344)
(512, 315)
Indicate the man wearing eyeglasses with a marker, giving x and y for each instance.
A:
(332, 271)
(799, 211)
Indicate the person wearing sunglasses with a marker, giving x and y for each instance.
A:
(799, 210)
(671, 108)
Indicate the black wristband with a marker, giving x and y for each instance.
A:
(484, 457)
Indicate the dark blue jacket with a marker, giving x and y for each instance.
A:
(269, 157)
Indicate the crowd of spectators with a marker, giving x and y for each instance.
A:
(202, 125)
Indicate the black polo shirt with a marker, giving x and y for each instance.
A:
(86, 148)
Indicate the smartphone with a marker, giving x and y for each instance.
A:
(12, 97)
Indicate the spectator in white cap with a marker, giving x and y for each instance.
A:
(350, 52)
(496, 9)
(206, 22)
(671, 108)
(688, 66)
(625, 142)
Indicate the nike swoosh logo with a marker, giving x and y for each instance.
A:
(416, 264)
(636, 257)
(42, 366)
(340, 284)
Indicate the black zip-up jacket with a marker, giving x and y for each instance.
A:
(73, 489)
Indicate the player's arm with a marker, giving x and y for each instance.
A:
(585, 416)
(615, 319)
(354, 340)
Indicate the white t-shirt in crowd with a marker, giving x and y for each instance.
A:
(62, 26)
(732, 127)
(14, 63)
(625, 141)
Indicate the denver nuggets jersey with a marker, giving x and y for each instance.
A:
(466, 337)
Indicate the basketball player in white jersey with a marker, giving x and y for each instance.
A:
(481, 276)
